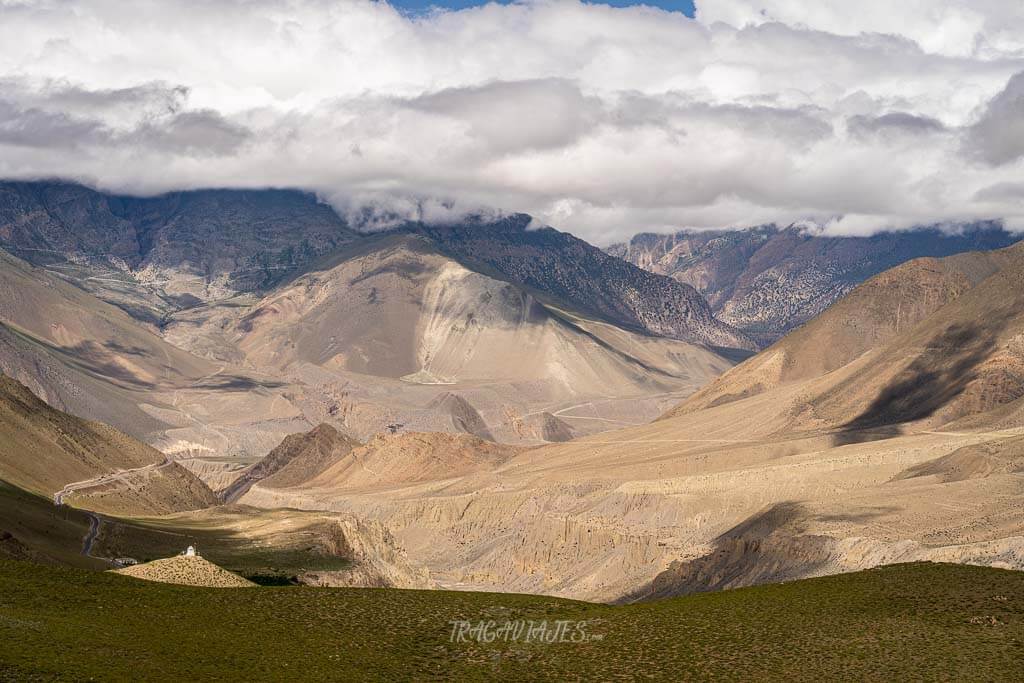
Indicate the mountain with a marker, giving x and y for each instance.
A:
(299, 458)
(152, 255)
(121, 498)
(869, 317)
(767, 281)
(566, 269)
(932, 341)
(43, 451)
(447, 348)
(889, 429)
(149, 314)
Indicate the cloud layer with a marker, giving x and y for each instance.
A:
(601, 121)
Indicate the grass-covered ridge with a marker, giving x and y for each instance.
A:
(921, 621)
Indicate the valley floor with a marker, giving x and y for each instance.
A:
(912, 621)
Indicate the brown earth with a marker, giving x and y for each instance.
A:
(385, 331)
(186, 571)
(43, 451)
(885, 431)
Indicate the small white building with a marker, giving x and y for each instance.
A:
(190, 551)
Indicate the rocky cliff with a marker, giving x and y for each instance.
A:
(767, 281)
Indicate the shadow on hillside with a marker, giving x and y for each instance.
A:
(98, 360)
(236, 383)
(860, 516)
(765, 547)
(118, 347)
(937, 376)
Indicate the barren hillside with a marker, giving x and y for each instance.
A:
(824, 454)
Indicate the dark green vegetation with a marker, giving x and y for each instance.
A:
(31, 528)
(921, 621)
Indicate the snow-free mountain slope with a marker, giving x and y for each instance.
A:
(767, 281)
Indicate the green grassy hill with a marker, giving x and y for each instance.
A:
(920, 621)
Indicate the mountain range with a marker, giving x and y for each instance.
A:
(886, 430)
(218, 322)
(492, 405)
(768, 280)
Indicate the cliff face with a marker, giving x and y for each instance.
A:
(767, 281)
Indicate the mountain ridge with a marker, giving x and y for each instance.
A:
(183, 248)
(768, 280)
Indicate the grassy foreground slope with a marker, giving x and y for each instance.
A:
(920, 621)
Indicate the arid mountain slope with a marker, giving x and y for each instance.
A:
(391, 332)
(150, 506)
(388, 332)
(885, 431)
(215, 323)
(411, 457)
(160, 254)
(43, 450)
(299, 458)
(90, 358)
(869, 317)
(561, 267)
(931, 340)
(767, 281)
(153, 255)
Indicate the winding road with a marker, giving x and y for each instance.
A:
(96, 520)
(90, 537)
(110, 477)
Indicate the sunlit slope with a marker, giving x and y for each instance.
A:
(389, 330)
(838, 466)
(397, 308)
(42, 450)
(930, 341)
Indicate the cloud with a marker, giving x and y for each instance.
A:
(949, 27)
(998, 136)
(894, 124)
(602, 121)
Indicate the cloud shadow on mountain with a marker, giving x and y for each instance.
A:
(932, 381)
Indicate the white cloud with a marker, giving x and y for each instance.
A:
(602, 121)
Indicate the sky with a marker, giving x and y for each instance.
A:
(605, 121)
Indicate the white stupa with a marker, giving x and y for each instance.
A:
(190, 551)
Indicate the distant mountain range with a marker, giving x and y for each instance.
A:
(220, 321)
(212, 325)
(767, 281)
(201, 246)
